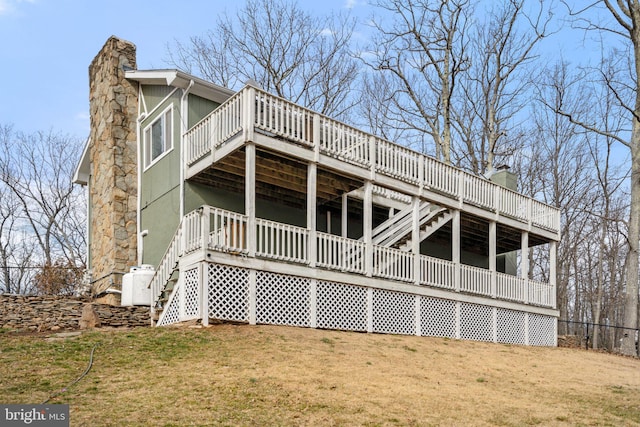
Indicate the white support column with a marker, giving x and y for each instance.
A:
(526, 328)
(367, 226)
(524, 264)
(316, 137)
(418, 317)
(204, 292)
(455, 247)
(250, 198)
(344, 216)
(252, 297)
(312, 174)
(458, 321)
(369, 310)
(182, 312)
(249, 110)
(205, 229)
(415, 239)
(553, 251)
(494, 313)
(492, 256)
(372, 157)
(313, 285)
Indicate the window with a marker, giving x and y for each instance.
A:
(158, 138)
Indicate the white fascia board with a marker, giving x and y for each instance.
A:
(81, 174)
(181, 80)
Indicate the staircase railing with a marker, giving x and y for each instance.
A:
(183, 240)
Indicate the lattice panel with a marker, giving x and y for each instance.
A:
(511, 326)
(476, 322)
(437, 317)
(171, 312)
(192, 293)
(283, 299)
(393, 312)
(228, 293)
(341, 306)
(542, 330)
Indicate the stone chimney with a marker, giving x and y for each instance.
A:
(113, 177)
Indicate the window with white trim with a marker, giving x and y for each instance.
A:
(158, 137)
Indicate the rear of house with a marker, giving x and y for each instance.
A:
(258, 210)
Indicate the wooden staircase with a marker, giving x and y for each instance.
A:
(396, 231)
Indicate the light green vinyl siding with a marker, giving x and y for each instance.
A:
(161, 219)
(153, 95)
(160, 188)
(199, 108)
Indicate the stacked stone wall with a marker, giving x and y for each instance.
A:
(51, 313)
(113, 153)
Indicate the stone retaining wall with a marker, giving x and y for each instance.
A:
(52, 313)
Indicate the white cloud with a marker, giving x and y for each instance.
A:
(9, 6)
(5, 7)
(350, 4)
(326, 32)
(84, 116)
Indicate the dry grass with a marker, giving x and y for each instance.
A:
(267, 375)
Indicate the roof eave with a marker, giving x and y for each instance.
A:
(182, 80)
(81, 174)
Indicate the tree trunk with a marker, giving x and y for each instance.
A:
(628, 344)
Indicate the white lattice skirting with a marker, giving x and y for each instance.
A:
(244, 295)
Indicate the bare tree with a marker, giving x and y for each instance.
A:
(285, 49)
(556, 169)
(496, 83)
(35, 174)
(419, 55)
(618, 75)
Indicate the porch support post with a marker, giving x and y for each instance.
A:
(524, 264)
(250, 113)
(492, 256)
(455, 247)
(367, 225)
(369, 310)
(553, 250)
(415, 239)
(313, 303)
(250, 197)
(203, 275)
(312, 173)
(253, 277)
(344, 216)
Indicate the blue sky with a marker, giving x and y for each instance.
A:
(46, 47)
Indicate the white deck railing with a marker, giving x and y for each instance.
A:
(187, 239)
(475, 280)
(279, 117)
(391, 263)
(228, 231)
(283, 242)
(437, 272)
(340, 253)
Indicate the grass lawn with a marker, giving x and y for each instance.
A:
(240, 375)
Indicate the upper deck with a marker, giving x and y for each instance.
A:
(252, 115)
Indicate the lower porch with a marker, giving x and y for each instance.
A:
(300, 277)
(216, 290)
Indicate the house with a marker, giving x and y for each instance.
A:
(257, 210)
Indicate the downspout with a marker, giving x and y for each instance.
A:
(184, 117)
(142, 114)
